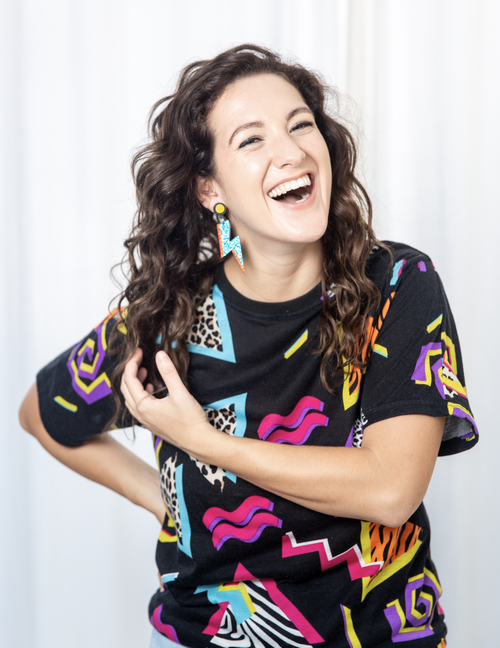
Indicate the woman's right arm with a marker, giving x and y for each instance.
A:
(101, 459)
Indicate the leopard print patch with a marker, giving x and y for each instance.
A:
(205, 331)
(358, 429)
(169, 493)
(223, 419)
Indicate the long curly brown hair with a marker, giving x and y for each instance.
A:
(173, 246)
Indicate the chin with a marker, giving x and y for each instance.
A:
(312, 233)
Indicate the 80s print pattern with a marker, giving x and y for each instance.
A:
(242, 567)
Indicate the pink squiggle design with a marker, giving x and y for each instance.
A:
(300, 434)
(292, 420)
(353, 556)
(239, 516)
(250, 533)
(164, 628)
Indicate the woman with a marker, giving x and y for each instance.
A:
(307, 396)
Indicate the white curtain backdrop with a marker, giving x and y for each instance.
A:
(77, 80)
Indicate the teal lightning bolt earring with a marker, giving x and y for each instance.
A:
(226, 244)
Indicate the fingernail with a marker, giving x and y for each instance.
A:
(161, 356)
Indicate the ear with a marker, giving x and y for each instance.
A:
(208, 192)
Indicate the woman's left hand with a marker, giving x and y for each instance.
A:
(178, 418)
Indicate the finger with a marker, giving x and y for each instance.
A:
(132, 366)
(168, 372)
(142, 373)
(137, 356)
(129, 403)
(136, 391)
(131, 387)
(135, 405)
(150, 388)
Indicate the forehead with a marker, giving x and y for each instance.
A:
(256, 98)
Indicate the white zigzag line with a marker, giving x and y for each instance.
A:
(313, 543)
(326, 545)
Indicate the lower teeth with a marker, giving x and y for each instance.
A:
(304, 197)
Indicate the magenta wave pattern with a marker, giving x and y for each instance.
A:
(249, 533)
(302, 433)
(300, 420)
(353, 557)
(239, 516)
(164, 628)
(252, 521)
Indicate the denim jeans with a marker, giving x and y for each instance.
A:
(160, 641)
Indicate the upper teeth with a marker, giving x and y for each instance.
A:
(281, 189)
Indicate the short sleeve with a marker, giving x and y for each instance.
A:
(74, 391)
(416, 363)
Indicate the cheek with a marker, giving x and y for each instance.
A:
(327, 174)
(243, 178)
(248, 170)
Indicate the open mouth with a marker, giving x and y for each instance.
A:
(295, 191)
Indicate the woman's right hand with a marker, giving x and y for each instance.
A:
(178, 418)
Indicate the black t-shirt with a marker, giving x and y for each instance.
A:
(242, 566)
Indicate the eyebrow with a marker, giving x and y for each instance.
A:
(259, 124)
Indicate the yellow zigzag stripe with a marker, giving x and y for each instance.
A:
(85, 366)
(89, 388)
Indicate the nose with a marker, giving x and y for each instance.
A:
(287, 152)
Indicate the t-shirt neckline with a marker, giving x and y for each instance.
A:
(297, 305)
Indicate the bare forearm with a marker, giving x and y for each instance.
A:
(383, 482)
(102, 459)
(336, 481)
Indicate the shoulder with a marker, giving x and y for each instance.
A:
(385, 266)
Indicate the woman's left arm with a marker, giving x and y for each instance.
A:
(384, 481)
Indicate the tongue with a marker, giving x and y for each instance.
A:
(294, 195)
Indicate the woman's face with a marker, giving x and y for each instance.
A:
(272, 166)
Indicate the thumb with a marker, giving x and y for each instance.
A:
(169, 373)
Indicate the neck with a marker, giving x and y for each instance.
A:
(277, 277)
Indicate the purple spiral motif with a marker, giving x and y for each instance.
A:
(85, 362)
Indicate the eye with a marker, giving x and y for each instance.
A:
(300, 125)
(249, 140)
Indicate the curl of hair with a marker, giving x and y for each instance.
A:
(173, 246)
